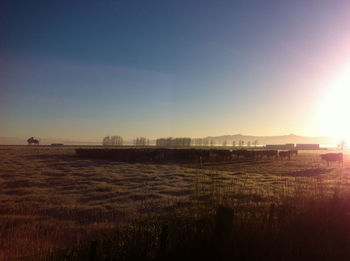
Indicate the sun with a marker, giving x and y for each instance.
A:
(334, 113)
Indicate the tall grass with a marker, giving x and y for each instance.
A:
(63, 208)
(216, 225)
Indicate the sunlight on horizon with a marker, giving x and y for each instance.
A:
(335, 105)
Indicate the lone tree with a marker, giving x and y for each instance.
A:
(255, 143)
(224, 144)
(31, 141)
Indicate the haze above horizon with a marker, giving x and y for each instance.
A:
(86, 69)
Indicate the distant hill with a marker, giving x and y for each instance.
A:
(218, 140)
(47, 141)
(283, 139)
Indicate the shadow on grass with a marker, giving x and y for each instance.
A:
(316, 231)
(306, 172)
(71, 160)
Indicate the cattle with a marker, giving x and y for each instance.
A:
(257, 154)
(295, 152)
(329, 157)
(238, 153)
(220, 155)
(249, 154)
(271, 153)
(284, 154)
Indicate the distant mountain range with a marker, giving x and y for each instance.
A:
(218, 140)
(283, 139)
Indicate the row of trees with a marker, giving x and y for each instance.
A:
(210, 142)
(203, 142)
(241, 143)
(170, 142)
(141, 141)
(112, 141)
(118, 141)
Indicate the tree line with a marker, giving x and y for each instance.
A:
(141, 141)
(170, 142)
(175, 142)
(112, 141)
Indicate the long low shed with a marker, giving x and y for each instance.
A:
(175, 155)
(146, 155)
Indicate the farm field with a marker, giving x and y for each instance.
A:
(50, 198)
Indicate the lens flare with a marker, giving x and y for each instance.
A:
(334, 117)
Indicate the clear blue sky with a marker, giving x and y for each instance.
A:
(85, 69)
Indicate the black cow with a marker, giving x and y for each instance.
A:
(271, 153)
(295, 152)
(329, 157)
(284, 154)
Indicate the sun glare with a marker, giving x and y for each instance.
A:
(334, 115)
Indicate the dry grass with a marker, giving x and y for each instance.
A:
(49, 198)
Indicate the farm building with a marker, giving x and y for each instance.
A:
(289, 146)
(308, 146)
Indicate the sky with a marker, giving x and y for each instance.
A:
(87, 69)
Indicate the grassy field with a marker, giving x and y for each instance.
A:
(51, 199)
